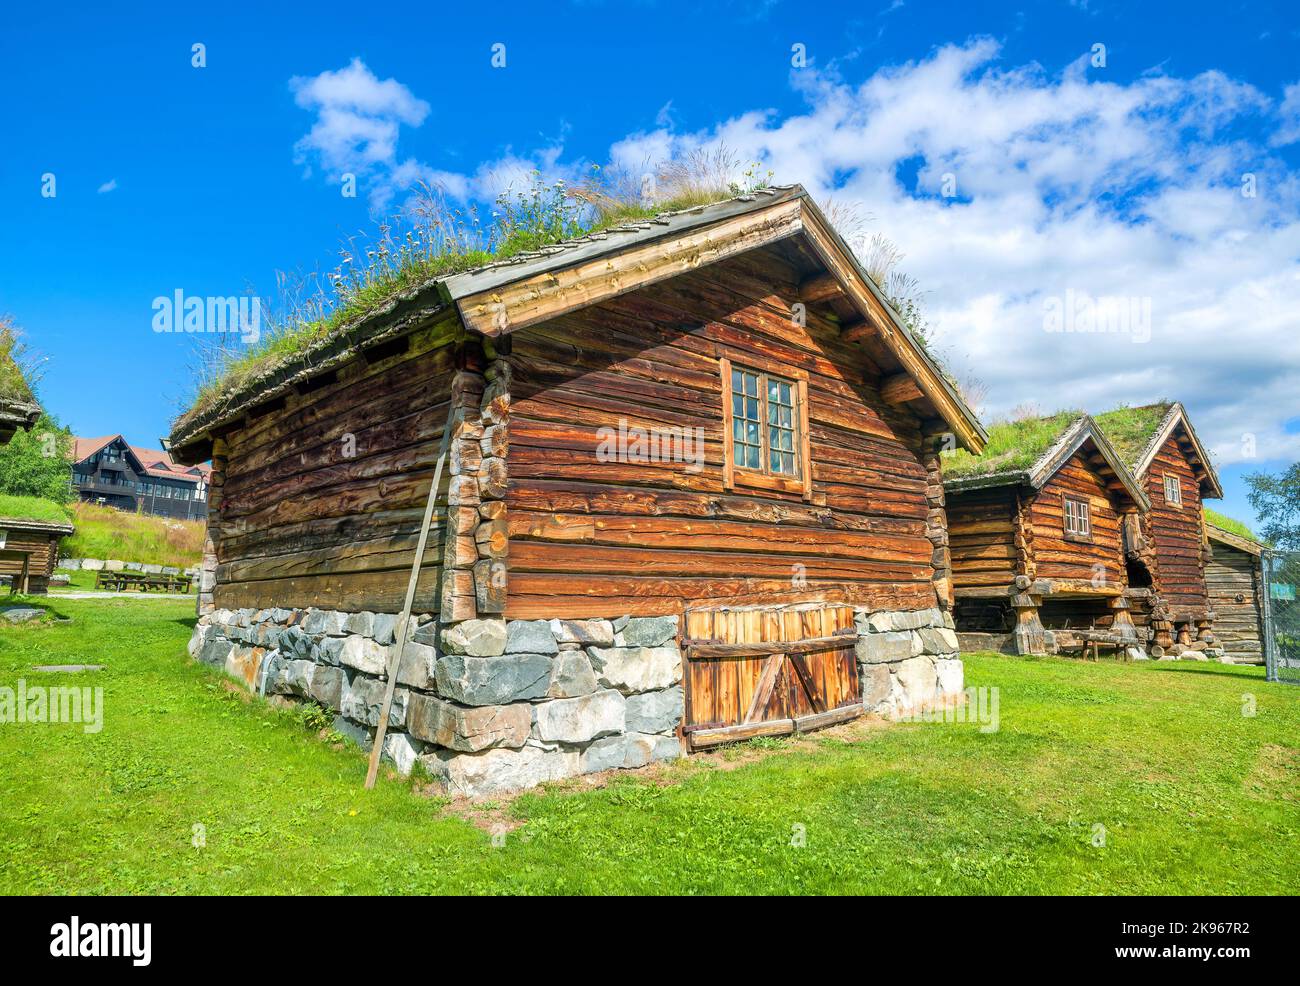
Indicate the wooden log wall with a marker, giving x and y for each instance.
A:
(1234, 586)
(1057, 557)
(323, 496)
(44, 556)
(1176, 534)
(983, 528)
(606, 538)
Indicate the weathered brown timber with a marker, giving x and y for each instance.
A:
(1234, 583)
(651, 360)
(761, 671)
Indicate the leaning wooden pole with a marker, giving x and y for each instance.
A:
(395, 661)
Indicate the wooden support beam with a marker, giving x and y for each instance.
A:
(701, 649)
(900, 388)
(820, 287)
(856, 331)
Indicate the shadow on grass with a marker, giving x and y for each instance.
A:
(1254, 671)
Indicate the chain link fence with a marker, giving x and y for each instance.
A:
(1282, 616)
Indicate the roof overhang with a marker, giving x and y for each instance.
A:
(1202, 465)
(40, 526)
(15, 415)
(1233, 540)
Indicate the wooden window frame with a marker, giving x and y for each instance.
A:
(1177, 483)
(1085, 513)
(734, 476)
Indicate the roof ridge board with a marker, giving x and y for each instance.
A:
(498, 273)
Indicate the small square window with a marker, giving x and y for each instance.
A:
(1078, 521)
(1173, 490)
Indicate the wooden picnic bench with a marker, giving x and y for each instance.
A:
(124, 581)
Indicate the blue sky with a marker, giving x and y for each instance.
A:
(1115, 180)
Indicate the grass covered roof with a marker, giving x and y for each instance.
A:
(1225, 523)
(32, 508)
(435, 241)
(1131, 429)
(1013, 446)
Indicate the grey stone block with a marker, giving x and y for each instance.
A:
(580, 720)
(651, 631)
(883, 648)
(530, 637)
(468, 728)
(496, 680)
(572, 675)
(655, 712)
(636, 669)
(475, 638)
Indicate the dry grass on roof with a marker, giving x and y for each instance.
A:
(434, 239)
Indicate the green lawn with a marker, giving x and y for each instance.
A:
(1194, 796)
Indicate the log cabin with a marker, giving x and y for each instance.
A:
(1034, 535)
(1235, 584)
(692, 495)
(30, 532)
(1167, 547)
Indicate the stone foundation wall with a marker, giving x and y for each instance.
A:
(490, 705)
(484, 705)
(908, 661)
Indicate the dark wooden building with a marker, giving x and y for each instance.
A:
(712, 421)
(1167, 546)
(1034, 527)
(1234, 581)
(111, 472)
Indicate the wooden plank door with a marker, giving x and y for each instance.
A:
(768, 671)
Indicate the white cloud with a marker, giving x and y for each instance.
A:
(108, 186)
(1289, 114)
(358, 118)
(1066, 183)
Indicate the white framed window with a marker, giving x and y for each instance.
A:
(1078, 521)
(1173, 490)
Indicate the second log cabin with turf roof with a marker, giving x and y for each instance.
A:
(31, 530)
(1034, 529)
(1235, 583)
(1167, 547)
(692, 496)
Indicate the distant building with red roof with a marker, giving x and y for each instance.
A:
(111, 471)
